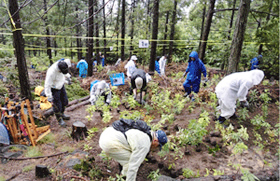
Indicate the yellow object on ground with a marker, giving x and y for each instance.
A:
(44, 103)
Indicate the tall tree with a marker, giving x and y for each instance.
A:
(132, 27)
(165, 32)
(202, 23)
(19, 50)
(238, 36)
(97, 44)
(78, 40)
(104, 31)
(90, 35)
(117, 29)
(154, 37)
(48, 39)
(206, 29)
(172, 32)
(123, 30)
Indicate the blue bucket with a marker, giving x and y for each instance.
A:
(117, 79)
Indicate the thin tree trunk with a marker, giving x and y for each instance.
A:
(172, 32)
(78, 40)
(97, 44)
(123, 30)
(19, 51)
(90, 35)
(238, 36)
(104, 33)
(202, 23)
(148, 21)
(229, 31)
(132, 28)
(117, 27)
(154, 37)
(48, 39)
(206, 29)
(55, 47)
(165, 33)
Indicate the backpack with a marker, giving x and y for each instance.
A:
(124, 125)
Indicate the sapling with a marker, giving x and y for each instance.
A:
(243, 114)
(248, 176)
(154, 175)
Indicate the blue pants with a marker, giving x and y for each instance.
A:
(191, 86)
(60, 100)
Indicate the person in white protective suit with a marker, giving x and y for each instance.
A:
(130, 149)
(130, 66)
(100, 89)
(162, 62)
(56, 77)
(235, 86)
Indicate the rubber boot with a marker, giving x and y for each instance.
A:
(60, 120)
(65, 116)
(221, 119)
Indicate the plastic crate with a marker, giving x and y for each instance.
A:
(117, 79)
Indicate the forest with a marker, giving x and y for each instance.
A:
(227, 34)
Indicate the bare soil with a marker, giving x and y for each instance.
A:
(263, 163)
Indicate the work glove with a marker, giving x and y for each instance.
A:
(69, 81)
(244, 104)
(134, 97)
(205, 81)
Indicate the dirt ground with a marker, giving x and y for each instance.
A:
(263, 163)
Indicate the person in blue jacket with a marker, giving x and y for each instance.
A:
(193, 71)
(157, 65)
(82, 65)
(255, 62)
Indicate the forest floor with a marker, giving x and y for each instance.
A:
(211, 159)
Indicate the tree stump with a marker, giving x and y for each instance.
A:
(79, 131)
(41, 171)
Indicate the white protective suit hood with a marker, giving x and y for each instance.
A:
(257, 76)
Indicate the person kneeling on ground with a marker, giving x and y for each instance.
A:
(100, 89)
(235, 86)
(128, 142)
(55, 90)
(139, 80)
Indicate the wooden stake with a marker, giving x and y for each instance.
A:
(43, 135)
(25, 122)
(31, 118)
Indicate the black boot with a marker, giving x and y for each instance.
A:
(65, 116)
(234, 116)
(221, 119)
(60, 120)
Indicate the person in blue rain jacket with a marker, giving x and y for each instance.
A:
(255, 62)
(157, 65)
(82, 65)
(193, 72)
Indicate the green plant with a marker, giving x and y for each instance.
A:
(154, 175)
(218, 172)
(27, 168)
(49, 138)
(258, 121)
(243, 114)
(248, 176)
(188, 173)
(115, 101)
(33, 152)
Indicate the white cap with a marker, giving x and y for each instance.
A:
(139, 82)
(133, 57)
(68, 62)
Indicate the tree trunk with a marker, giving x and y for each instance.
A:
(148, 21)
(154, 37)
(97, 44)
(123, 30)
(132, 27)
(104, 32)
(165, 33)
(172, 32)
(55, 47)
(229, 31)
(78, 40)
(117, 27)
(48, 39)
(19, 51)
(90, 35)
(238, 36)
(206, 29)
(202, 23)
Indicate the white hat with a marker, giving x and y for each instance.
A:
(133, 57)
(139, 82)
(68, 61)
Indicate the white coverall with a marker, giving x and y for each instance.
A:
(130, 66)
(97, 89)
(130, 152)
(162, 62)
(54, 79)
(236, 86)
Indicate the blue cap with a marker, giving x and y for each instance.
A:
(162, 138)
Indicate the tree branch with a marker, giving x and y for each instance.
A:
(37, 157)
